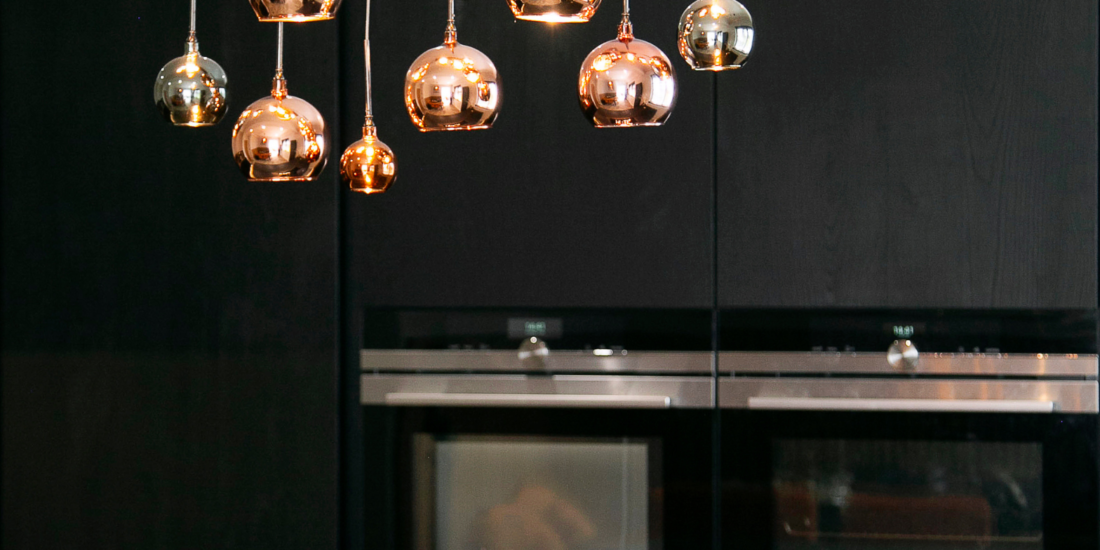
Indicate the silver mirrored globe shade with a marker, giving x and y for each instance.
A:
(191, 91)
(715, 35)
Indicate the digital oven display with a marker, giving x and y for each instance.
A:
(903, 330)
(539, 327)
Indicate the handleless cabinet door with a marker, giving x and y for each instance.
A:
(168, 326)
(542, 209)
(901, 154)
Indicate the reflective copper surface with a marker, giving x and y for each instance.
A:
(627, 82)
(280, 138)
(368, 165)
(554, 11)
(452, 88)
(191, 90)
(715, 35)
(295, 11)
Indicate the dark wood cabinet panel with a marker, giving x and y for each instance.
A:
(542, 209)
(932, 154)
(168, 327)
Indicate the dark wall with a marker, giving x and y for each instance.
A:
(543, 209)
(170, 330)
(168, 327)
(912, 154)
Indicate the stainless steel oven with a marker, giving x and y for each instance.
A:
(909, 430)
(556, 429)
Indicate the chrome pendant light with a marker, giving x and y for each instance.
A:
(554, 11)
(191, 90)
(715, 35)
(295, 11)
(281, 137)
(368, 165)
(453, 86)
(626, 82)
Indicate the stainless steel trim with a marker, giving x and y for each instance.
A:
(598, 391)
(528, 400)
(849, 404)
(556, 361)
(960, 364)
(1064, 396)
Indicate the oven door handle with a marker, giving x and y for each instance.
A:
(923, 405)
(528, 400)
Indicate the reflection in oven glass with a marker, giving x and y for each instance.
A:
(907, 495)
(509, 493)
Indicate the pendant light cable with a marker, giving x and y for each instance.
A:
(279, 57)
(626, 29)
(278, 85)
(192, 41)
(366, 56)
(450, 37)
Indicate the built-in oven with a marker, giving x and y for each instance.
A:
(538, 429)
(913, 430)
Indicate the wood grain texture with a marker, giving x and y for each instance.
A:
(542, 209)
(934, 154)
(168, 327)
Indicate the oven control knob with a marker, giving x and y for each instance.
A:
(533, 353)
(903, 355)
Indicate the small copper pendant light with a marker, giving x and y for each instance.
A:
(368, 165)
(294, 11)
(191, 90)
(626, 82)
(554, 11)
(453, 86)
(281, 137)
(715, 35)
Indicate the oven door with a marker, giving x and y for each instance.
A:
(851, 464)
(541, 462)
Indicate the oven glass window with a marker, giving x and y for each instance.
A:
(871, 494)
(503, 493)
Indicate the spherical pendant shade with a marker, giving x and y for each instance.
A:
(368, 165)
(295, 11)
(191, 90)
(554, 11)
(625, 83)
(452, 88)
(715, 35)
(280, 138)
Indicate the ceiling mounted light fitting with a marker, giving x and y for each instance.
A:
(294, 11)
(368, 165)
(453, 86)
(626, 82)
(715, 35)
(554, 11)
(191, 90)
(281, 137)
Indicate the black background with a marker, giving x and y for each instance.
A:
(171, 332)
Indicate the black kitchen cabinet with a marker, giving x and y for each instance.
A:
(168, 327)
(931, 154)
(542, 209)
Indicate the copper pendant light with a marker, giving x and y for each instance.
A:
(626, 82)
(715, 35)
(294, 11)
(554, 11)
(281, 137)
(453, 86)
(191, 90)
(368, 165)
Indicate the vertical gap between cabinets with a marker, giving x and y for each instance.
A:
(339, 237)
(716, 423)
